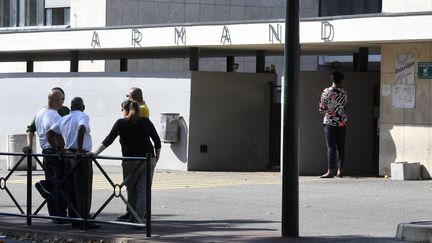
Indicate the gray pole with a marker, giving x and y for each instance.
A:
(290, 175)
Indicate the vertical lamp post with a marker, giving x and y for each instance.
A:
(290, 175)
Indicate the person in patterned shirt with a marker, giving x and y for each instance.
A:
(332, 105)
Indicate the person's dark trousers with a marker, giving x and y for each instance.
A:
(54, 173)
(79, 188)
(136, 185)
(335, 140)
(48, 183)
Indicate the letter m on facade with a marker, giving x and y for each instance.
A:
(275, 33)
(180, 35)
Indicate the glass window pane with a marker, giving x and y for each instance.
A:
(58, 16)
(5, 13)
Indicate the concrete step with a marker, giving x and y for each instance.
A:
(415, 231)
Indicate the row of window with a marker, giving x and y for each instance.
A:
(348, 7)
(21, 13)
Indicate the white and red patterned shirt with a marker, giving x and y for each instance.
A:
(332, 104)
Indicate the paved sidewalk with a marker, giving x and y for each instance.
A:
(242, 207)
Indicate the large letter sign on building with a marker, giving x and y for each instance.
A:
(225, 36)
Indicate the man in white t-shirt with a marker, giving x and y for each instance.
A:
(51, 188)
(75, 130)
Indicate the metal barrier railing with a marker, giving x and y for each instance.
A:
(117, 190)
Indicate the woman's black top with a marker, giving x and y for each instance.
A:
(134, 138)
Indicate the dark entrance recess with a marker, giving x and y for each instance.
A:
(275, 126)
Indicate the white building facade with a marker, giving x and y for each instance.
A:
(162, 45)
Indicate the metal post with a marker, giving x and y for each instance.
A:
(84, 162)
(148, 194)
(29, 66)
(363, 59)
(229, 64)
(123, 64)
(260, 61)
(290, 175)
(74, 63)
(193, 59)
(29, 188)
(355, 62)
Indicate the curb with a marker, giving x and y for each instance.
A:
(415, 231)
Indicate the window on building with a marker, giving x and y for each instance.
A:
(57, 16)
(22, 13)
(348, 7)
(5, 13)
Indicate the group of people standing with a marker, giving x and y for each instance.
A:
(68, 179)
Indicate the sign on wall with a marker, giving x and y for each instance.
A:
(404, 69)
(403, 95)
(425, 70)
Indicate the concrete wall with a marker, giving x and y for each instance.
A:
(84, 13)
(229, 114)
(400, 6)
(102, 94)
(359, 136)
(406, 134)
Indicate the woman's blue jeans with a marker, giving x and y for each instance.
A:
(335, 140)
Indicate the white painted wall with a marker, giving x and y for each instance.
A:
(23, 96)
(85, 13)
(400, 6)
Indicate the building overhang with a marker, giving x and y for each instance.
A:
(330, 36)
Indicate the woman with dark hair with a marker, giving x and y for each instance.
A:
(135, 133)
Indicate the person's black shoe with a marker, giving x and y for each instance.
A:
(124, 217)
(43, 191)
(91, 226)
(76, 225)
(60, 221)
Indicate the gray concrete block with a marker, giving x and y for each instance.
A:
(222, 12)
(146, 12)
(176, 64)
(192, 13)
(237, 2)
(305, 13)
(278, 13)
(280, 3)
(253, 3)
(177, 13)
(219, 64)
(161, 12)
(266, 3)
(405, 171)
(237, 13)
(207, 1)
(130, 12)
(192, 1)
(251, 13)
(415, 232)
(266, 13)
(145, 65)
(207, 12)
(308, 4)
(132, 65)
(160, 65)
(114, 10)
(223, 2)
(249, 67)
(177, 1)
(112, 66)
(206, 64)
